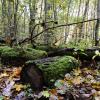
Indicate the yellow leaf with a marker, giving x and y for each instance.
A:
(96, 85)
(87, 71)
(16, 72)
(77, 72)
(18, 87)
(77, 80)
(4, 75)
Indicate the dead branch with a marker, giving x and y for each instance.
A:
(62, 25)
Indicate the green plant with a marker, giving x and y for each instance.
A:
(83, 44)
(97, 53)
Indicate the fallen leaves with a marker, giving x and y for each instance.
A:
(80, 84)
(8, 83)
(16, 72)
(18, 87)
(3, 75)
(45, 94)
(7, 90)
(83, 84)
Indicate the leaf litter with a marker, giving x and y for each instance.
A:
(79, 84)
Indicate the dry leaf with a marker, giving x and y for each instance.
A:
(4, 75)
(77, 72)
(18, 87)
(16, 72)
(77, 80)
(53, 91)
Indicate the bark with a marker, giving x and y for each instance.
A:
(15, 17)
(86, 54)
(67, 28)
(81, 34)
(44, 70)
(33, 75)
(4, 16)
(32, 8)
(97, 24)
(47, 17)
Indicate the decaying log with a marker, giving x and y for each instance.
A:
(86, 54)
(33, 75)
(17, 56)
(47, 70)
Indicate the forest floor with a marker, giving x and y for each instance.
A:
(79, 84)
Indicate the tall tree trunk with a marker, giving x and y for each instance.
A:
(45, 25)
(81, 34)
(4, 16)
(47, 17)
(32, 8)
(67, 27)
(24, 19)
(97, 23)
(15, 17)
(10, 31)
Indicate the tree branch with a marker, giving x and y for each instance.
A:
(62, 25)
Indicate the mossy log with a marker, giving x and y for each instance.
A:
(84, 54)
(18, 55)
(52, 68)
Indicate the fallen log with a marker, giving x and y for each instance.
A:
(47, 70)
(86, 54)
(17, 56)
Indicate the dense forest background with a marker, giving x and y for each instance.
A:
(50, 22)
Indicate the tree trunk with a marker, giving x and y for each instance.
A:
(97, 24)
(86, 54)
(4, 16)
(15, 18)
(32, 8)
(47, 70)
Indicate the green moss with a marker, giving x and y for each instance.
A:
(42, 47)
(33, 54)
(27, 53)
(1, 49)
(9, 52)
(58, 68)
(6, 51)
(27, 46)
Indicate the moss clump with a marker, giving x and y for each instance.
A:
(27, 46)
(6, 51)
(57, 68)
(32, 54)
(28, 53)
(17, 56)
(2, 48)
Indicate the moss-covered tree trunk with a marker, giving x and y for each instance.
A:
(52, 69)
(18, 56)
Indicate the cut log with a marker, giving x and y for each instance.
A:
(33, 75)
(52, 69)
